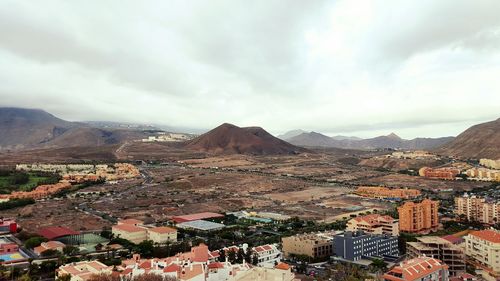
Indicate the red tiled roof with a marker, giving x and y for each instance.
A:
(171, 268)
(489, 235)
(267, 247)
(282, 266)
(215, 265)
(197, 216)
(128, 228)
(56, 232)
(131, 221)
(145, 265)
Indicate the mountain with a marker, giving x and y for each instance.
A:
(478, 141)
(290, 134)
(231, 139)
(22, 128)
(313, 139)
(392, 140)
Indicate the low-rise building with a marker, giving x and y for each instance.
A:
(439, 173)
(8, 225)
(135, 231)
(50, 245)
(483, 174)
(282, 272)
(490, 163)
(483, 250)
(83, 270)
(418, 269)
(7, 248)
(419, 217)
(358, 245)
(162, 234)
(387, 193)
(375, 224)
(441, 249)
(315, 245)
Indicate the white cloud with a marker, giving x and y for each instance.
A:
(356, 67)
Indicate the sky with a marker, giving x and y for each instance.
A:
(417, 68)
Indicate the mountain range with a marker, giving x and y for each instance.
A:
(314, 139)
(22, 129)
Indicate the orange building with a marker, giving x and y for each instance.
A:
(384, 192)
(419, 217)
(40, 191)
(439, 173)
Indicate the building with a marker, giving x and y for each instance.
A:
(50, 245)
(83, 270)
(267, 255)
(197, 216)
(441, 249)
(474, 208)
(387, 193)
(8, 225)
(439, 173)
(419, 217)
(130, 232)
(60, 233)
(162, 234)
(483, 174)
(201, 225)
(7, 247)
(374, 224)
(135, 231)
(315, 245)
(483, 250)
(282, 272)
(358, 245)
(489, 163)
(418, 269)
(464, 277)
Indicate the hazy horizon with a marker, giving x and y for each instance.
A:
(354, 68)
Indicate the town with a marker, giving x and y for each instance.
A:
(383, 232)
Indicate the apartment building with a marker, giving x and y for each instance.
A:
(315, 245)
(419, 217)
(135, 231)
(267, 255)
(489, 163)
(387, 193)
(475, 208)
(439, 173)
(418, 269)
(441, 249)
(483, 174)
(483, 250)
(374, 224)
(358, 245)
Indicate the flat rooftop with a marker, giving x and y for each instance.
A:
(201, 225)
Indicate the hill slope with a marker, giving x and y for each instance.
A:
(479, 141)
(23, 128)
(230, 139)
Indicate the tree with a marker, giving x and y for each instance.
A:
(34, 242)
(24, 277)
(255, 259)
(50, 253)
(146, 248)
(70, 250)
(231, 256)
(64, 277)
(379, 265)
(240, 256)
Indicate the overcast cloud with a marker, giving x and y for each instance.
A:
(418, 68)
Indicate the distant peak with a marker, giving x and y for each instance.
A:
(393, 136)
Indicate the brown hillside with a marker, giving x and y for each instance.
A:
(479, 141)
(230, 139)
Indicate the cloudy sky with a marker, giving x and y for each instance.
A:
(417, 68)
